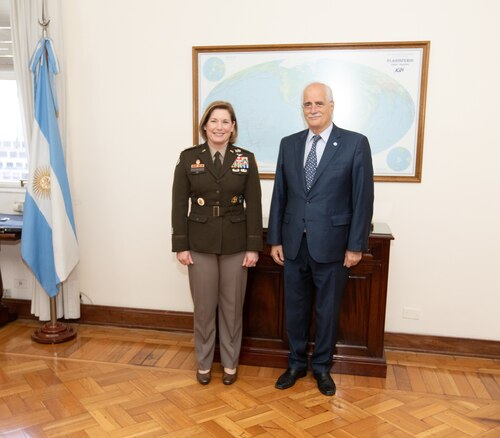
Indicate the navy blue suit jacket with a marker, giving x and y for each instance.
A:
(337, 211)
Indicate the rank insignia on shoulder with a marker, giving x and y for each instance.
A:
(200, 201)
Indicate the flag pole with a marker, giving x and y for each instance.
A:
(53, 332)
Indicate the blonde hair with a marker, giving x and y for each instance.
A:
(219, 104)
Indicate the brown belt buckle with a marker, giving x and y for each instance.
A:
(215, 210)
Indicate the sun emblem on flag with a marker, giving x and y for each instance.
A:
(41, 182)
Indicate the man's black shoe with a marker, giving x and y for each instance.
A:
(326, 385)
(289, 377)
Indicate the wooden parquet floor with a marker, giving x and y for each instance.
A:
(115, 382)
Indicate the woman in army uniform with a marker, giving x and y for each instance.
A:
(217, 233)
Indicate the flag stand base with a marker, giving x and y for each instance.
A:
(53, 332)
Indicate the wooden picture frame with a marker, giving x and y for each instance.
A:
(379, 90)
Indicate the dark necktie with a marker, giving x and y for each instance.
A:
(218, 162)
(311, 163)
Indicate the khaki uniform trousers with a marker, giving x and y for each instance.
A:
(217, 281)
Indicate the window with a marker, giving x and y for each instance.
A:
(12, 145)
(13, 156)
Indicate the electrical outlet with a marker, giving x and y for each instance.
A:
(411, 313)
(7, 293)
(20, 283)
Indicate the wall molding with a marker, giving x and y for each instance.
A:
(443, 345)
(183, 322)
(115, 316)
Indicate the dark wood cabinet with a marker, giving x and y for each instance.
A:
(360, 347)
(5, 315)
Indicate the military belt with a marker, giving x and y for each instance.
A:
(216, 210)
(235, 200)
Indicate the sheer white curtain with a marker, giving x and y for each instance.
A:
(26, 31)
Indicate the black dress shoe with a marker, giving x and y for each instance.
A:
(289, 377)
(326, 385)
(204, 378)
(229, 379)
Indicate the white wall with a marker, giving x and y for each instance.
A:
(129, 79)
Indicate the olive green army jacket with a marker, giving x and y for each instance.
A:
(217, 214)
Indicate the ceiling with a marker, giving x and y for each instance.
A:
(5, 35)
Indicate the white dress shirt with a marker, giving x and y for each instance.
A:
(320, 146)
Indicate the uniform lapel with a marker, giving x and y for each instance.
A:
(332, 146)
(229, 158)
(206, 158)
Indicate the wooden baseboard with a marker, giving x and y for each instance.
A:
(442, 345)
(116, 316)
(183, 321)
(137, 318)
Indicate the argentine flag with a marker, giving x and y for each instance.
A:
(49, 245)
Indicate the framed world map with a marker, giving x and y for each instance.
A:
(379, 90)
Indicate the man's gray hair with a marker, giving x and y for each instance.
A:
(328, 90)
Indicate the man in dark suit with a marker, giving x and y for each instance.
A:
(319, 223)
